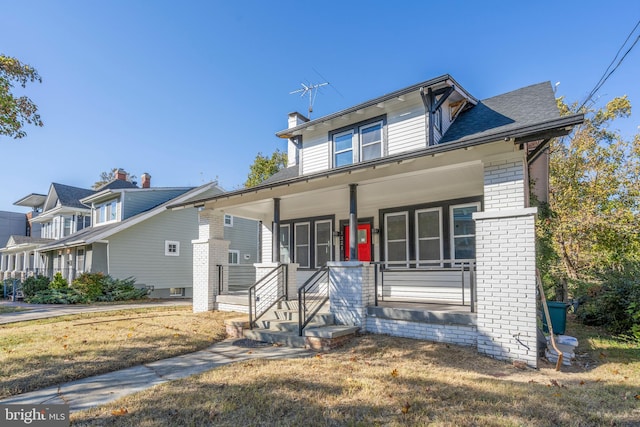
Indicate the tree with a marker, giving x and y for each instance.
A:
(107, 177)
(263, 167)
(592, 223)
(16, 111)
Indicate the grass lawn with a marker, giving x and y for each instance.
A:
(11, 309)
(380, 380)
(41, 353)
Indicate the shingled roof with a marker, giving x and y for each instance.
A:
(70, 196)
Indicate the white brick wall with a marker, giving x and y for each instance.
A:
(453, 334)
(351, 290)
(506, 284)
(504, 185)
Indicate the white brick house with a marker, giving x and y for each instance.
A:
(418, 203)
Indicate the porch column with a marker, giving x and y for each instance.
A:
(353, 221)
(275, 241)
(209, 251)
(506, 265)
(351, 290)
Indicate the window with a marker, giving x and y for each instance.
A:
(67, 227)
(429, 237)
(323, 243)
(234, 256)
(80, 260)
(358, 143)
(171, 248)
(176, 292)
(228, 221)
(302, 247)
(285, 244)
(463, 235)
(343, 149)
(397, 238)
(107, 212)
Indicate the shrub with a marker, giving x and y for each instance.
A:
(58, 296)
(33, 285)
(58, 282)
(92, 285)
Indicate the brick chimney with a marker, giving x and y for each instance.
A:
(296, 119)
(121, 175)
(146, 180)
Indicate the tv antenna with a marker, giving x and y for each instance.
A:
(311, 90)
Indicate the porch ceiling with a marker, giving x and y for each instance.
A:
(408, 182)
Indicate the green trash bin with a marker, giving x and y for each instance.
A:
(558, 315)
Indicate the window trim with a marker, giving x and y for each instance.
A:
(452, 236)
(288, 245)
(167, 248)
(396, 264)
(173, 293)
(308, 244)
(110, 208)
(350, 149)
(316, 244)
(361, 146)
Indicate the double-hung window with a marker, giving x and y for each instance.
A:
(429, 237)
(323, 243)
(285, 244)
(107, 212)
(463, 235)
(302, 247)
(358, 143)
(396, 226)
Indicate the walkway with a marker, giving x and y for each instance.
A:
(43, 311)
(102, 389)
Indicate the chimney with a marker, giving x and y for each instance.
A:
(146, 180)
(121, 175)
(296, 119)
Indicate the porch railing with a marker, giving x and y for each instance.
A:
(239, 277)
(267, 292)
(312, 296)
(445, 281)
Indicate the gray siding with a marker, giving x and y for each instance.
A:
(97, 258)
(139, 251)
(11, 223)
(244, 238)
(136, 202)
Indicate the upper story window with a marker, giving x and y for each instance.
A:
(228, 220)
(67, 227)
(358, 143)
(107, 212)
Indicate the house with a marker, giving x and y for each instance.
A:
(12, 223)
(414, 206)
(124, 231)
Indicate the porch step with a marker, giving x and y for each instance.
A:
(275, 337)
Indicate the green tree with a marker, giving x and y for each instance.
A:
(263, 167)
(16, 111)
(592, 223)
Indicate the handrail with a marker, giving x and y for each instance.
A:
(267, 292)
(309, 306)
(466, 267)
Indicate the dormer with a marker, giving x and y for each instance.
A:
(409, 119)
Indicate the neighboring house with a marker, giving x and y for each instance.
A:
(123, 231)
(12, 223)
(417, 197)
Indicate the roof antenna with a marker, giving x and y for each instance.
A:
(311, 90)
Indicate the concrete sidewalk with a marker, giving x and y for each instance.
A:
(101, 389)
(43, 311)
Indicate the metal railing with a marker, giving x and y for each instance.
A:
(267, 292)
(312, 296)
(446, 281)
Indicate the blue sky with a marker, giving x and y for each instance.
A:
(191, 91)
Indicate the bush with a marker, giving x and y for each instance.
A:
(33, 285)
(91, 285)
(58, 296)
(613, 303)
(58, 282)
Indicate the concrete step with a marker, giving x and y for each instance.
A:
(330, 331)
(276, 337)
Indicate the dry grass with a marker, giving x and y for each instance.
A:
(379, 380)
(41, 353)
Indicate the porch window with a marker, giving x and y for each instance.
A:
(397, 238)
(463, 236)
(343, 148)
(234, 256)
(285, 244)
(429, 237)
(302, 247)
(323, 243)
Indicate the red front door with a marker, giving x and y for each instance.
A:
(364, 242)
